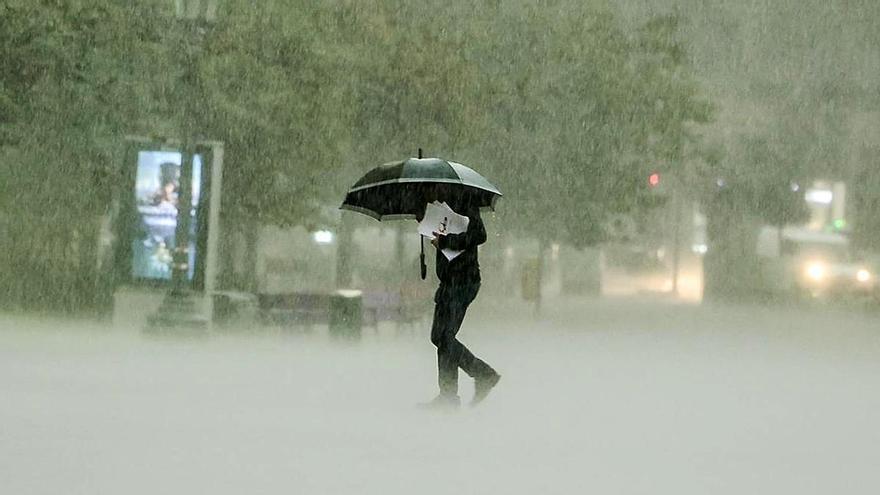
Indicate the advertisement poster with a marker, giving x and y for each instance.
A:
(157, 188)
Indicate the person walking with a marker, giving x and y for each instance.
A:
(405, 188)
(459, 284)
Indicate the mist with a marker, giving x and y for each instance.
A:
(678, 283)
(624, 397)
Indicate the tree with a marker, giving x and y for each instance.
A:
(555, 102)
(69, 85)
(586, 114)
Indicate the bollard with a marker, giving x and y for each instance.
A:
(531, 279)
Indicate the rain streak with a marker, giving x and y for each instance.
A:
(443, 247)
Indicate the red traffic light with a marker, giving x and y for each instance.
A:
(654, 179)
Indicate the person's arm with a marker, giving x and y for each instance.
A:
(473, 236)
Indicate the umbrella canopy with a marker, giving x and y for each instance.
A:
(398, 189)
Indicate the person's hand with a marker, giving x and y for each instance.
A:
(436, 240)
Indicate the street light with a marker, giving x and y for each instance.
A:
(180, 305)
(194, 16)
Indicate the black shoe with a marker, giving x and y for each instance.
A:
(482, 387)
(442, 403)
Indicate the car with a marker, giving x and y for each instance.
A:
(814, 264)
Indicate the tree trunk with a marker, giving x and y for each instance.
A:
(239, 252)
(344, 252)
(542, 249)
(251, 258)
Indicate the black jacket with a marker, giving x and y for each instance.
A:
(465, 268)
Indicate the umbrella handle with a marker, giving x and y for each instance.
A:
(422, 258)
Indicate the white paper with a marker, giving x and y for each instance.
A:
(440, 218)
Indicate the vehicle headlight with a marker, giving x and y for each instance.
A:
(863, 275)
(816, 271)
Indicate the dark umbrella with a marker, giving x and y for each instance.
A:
(398, 189)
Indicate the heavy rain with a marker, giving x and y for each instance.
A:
(245, 247)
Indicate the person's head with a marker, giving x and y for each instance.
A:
(168, 190)
(169, 173)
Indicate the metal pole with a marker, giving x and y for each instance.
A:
(180, 268)
(214, 219)
(213, 231)
(542, 248)
(676, 240)
(344, 247)
(182, 307)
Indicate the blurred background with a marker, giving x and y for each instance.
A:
(679, 285)
(684, 149)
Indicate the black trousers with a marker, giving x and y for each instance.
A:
(450, 304)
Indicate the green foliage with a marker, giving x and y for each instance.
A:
(303, 94)
(797, 76)
(584, 115)
(70, 74)
(553, 101)
(267, 83)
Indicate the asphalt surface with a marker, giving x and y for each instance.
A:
(603, 396)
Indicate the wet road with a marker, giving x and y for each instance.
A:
(626, 396)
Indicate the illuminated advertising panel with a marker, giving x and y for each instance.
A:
(156, 191)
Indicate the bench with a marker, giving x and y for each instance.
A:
(410, 305)
(297, 308)
(310, 308)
